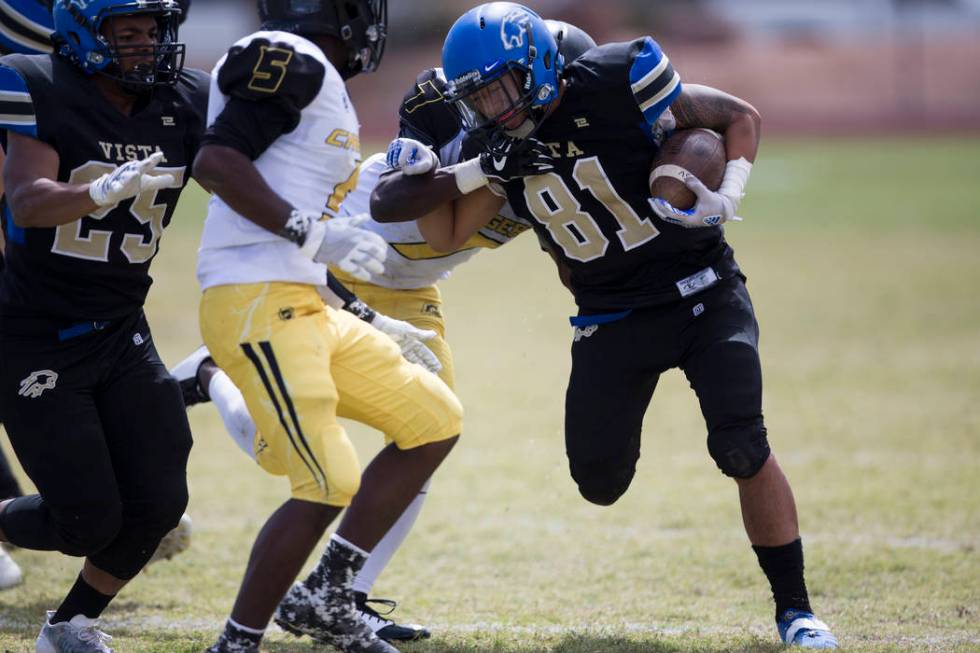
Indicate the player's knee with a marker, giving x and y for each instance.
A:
(739, 450)
(163, 513)
(342, 469)
(88, 531)
(603, 484)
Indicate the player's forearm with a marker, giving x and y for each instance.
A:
(734, 118)
(401, 198)
(47, 203)
(231, 175)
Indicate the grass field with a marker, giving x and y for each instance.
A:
(863, 262)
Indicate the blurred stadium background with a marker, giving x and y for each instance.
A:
(860, 240)
(828, 66)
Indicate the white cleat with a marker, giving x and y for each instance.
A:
(10, 573)
(80, 635)
(176, 541)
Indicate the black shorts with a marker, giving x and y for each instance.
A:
(95, 419)
(617, 360)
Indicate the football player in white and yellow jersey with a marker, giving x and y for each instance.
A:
(406, 290)
(283, 142)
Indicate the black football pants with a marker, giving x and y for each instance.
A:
(713, 337)
(100, 427)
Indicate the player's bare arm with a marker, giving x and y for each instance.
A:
(734, 118)
(37, 200)
(233, 177)
(400, 197)
(451, 225)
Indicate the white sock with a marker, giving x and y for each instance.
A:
(230, 403)
(383, 552)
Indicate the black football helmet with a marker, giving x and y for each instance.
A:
(360, 24)
(573, 41)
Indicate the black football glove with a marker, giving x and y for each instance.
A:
(507, 158)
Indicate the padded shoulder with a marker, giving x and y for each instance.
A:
(276, 65)
(425, 115)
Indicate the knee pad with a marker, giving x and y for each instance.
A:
(89, 531)
(739, 451)
(603, 483)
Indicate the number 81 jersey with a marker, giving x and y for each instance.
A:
(97, 267)
(594, 208)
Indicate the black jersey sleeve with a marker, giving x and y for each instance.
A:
(425, 115)
(268, 85)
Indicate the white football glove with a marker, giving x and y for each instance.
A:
(411, 157)
(129, 180)
(410, 339)
(710, 210)
(341, 242)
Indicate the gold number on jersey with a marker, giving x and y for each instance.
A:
(270, 69)
(147, 211)
(341, 190)
(68, 239)
(552, 204)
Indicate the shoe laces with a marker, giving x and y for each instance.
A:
(91, 634)
(387, 603)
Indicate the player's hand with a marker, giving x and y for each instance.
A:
(411, 157)
(507, 158)
(710, 210)
(358, 252)
(129, 180)
(410, 339)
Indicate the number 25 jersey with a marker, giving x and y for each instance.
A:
(97, 267)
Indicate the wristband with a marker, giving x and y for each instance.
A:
(735, 179)
(469, 176)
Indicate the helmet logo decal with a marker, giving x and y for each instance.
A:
(512, 29)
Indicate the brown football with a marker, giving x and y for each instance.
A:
(699, 151)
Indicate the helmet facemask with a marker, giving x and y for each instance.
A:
(159, 62)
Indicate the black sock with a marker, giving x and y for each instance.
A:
(82, 599)
(783, 566)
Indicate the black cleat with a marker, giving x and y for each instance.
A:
(327, 620)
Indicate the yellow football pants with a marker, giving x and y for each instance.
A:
(298, 362)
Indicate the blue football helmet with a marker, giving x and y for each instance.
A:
(503, 67)
(78, 37)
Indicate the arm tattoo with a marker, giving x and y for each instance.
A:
(703, 106)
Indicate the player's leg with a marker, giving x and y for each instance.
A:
(54, 427)
(424, 418)
(149, 439)
(275, 343)
(615, 369)
(421, 307)
(723, 367)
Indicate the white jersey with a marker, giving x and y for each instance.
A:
(411, 262)
(304, 166)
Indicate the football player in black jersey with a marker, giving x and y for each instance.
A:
(100, 135)
(570, 148)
